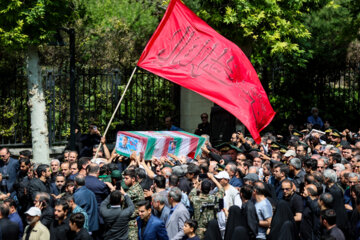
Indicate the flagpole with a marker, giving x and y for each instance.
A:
(116, 109)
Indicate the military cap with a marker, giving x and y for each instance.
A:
(227, 147)
(283, 149)
(328, 130)
(336, 133)
(275, 145)
(297, 133)
(116, 174)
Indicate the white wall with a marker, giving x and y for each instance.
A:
(191, 107)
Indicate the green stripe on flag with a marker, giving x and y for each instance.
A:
(150, 146)
(201, 141)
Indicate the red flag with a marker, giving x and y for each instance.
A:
(187, 51)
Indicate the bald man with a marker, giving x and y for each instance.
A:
(310, 224)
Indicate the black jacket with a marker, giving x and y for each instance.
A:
(339, 207)
(9, 229)
(116, 219)
(61, 231)
(36, 185)
(47, 216)
(82, 235)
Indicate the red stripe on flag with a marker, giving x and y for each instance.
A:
(193, 143)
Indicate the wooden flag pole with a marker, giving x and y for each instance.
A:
(116, 109)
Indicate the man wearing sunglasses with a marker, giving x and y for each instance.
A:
(204, 126)
(8, 169)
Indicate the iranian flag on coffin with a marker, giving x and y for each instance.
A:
(158, 144)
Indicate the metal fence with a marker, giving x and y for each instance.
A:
(148, 100)
(335, 91)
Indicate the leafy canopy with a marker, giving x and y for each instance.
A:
(31, 22)
(262, 28)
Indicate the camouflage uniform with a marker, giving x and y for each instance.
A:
(136, 194)
(204, 214)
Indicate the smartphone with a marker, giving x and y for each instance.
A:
(221, 203)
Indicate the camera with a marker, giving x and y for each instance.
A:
(214, 206)
(5, 176)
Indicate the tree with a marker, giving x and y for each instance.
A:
(262, 28)
(115, 32)
(25, 25)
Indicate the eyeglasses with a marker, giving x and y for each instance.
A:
(321, 167)
(204, 117)
(286, 189)
(2, 156)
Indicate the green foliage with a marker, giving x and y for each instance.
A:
(333, 28)
(32, 22)
(263, 29)
(113, 33)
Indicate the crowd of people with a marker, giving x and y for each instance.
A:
(301, 186)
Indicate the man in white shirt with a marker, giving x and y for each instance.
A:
(232, 197)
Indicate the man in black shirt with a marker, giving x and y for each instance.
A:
(328, 220)
(203, 127)
(249, 211)
(89, 140)
(294, 200)
(9, 229)
(297, 173)
(185, 183)
(310, 223)
(59, 228)
(76, 224)
(41, 183)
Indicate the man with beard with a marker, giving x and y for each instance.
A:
(21, 185)
(25, 164)
(35, 229)
(40, 184)
(58, 187)
(59, 228)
